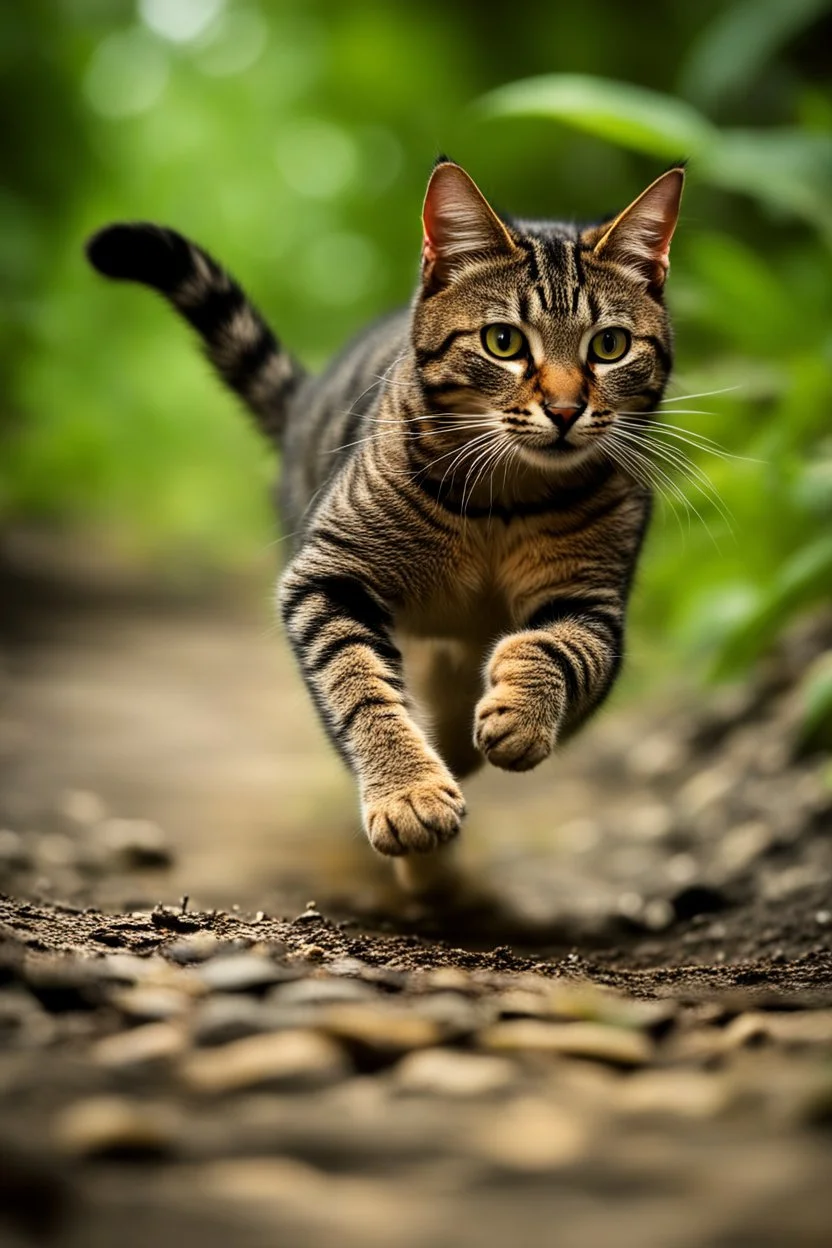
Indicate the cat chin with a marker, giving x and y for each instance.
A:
(557, 460)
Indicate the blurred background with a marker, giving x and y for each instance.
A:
(293, 139)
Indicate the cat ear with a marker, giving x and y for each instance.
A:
(639, 237)
(458, 224)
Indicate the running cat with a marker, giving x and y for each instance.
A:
(457, 485)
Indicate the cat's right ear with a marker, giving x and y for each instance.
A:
(458, 223)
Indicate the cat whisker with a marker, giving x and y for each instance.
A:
(676, 458)
(702, 394)
(691, 436)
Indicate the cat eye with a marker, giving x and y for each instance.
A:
(504, 341)
(609, 345)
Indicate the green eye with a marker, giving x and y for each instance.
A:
(609, 345)
(504, 341)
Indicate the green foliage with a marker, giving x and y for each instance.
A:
(293, 139)
(754, 314)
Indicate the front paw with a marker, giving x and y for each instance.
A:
(416, 818)
(510, 731)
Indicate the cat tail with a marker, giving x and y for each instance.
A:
(238, 342)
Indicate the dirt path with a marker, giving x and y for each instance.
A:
(366, 1067)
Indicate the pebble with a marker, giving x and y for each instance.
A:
(112, 1126)
(380, 1029)
(614, 1045)
(293, 1060)
(150, 1004)
(134, 844)
(197, 947)
(240, 972)
(82, 807)
(151, 1045)
(531, 1136)
(793, 1027)
(14, 856)
(224, 1017)
(446, 979)
(697, 899)
(449, 1072)
(314, 991)
(23, 1023)
(677, 1093)
(742, 845)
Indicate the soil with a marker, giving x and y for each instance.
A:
(622, 1028)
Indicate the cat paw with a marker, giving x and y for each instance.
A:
(415, 819)
(509, 733)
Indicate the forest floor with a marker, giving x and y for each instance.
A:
(622, 1035)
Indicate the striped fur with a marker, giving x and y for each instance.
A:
(237, 340)
(465, 527)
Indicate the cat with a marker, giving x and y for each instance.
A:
(459, 486)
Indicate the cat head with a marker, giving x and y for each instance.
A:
(545, 332)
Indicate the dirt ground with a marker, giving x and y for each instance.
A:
(621, 1033)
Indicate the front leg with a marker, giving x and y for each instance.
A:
(341, 633)
(547, 678)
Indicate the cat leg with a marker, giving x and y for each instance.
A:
(549, 677)
(341, 632)
(446, 677)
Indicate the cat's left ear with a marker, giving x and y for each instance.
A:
(639, 237)
(459, 224)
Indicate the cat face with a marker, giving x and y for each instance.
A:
(541, 333)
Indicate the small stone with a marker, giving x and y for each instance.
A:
(674, 1093)
(310, 915)
(614, 1045)
(54, 850)
(224, 1017)
(134, 844)
(82, 807)
(240, 972)
(348, 967)
(658, 914)
(705, 789)
(23, 1023)
(519, 1004)
(823, 917)
(448, 1072)
(794, 1028)
(150, 1004)
(195, 947)
(152, 1045)
(14, 855)
(660, 754)
(380, 1029)
(697, 899)
(112, 1126)
(313, 991)
(742, 845)
(284, 1059)
(446, 978)
(650, 822)
(531, 1136)
(457, 1014)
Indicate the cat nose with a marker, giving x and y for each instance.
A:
(564, 417)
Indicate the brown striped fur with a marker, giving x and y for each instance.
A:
(465, 528)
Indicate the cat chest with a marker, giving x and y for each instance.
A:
(469, 596)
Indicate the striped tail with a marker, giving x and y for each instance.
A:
(238, 341)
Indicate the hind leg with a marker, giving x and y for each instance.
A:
(447, 680)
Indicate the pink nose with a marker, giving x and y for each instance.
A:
(564, 417)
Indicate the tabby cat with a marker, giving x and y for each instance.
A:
(460, 504)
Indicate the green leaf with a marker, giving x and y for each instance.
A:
(805, 578)
(787, 169)
(732, 50)
(816, 696)
(633, 117)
